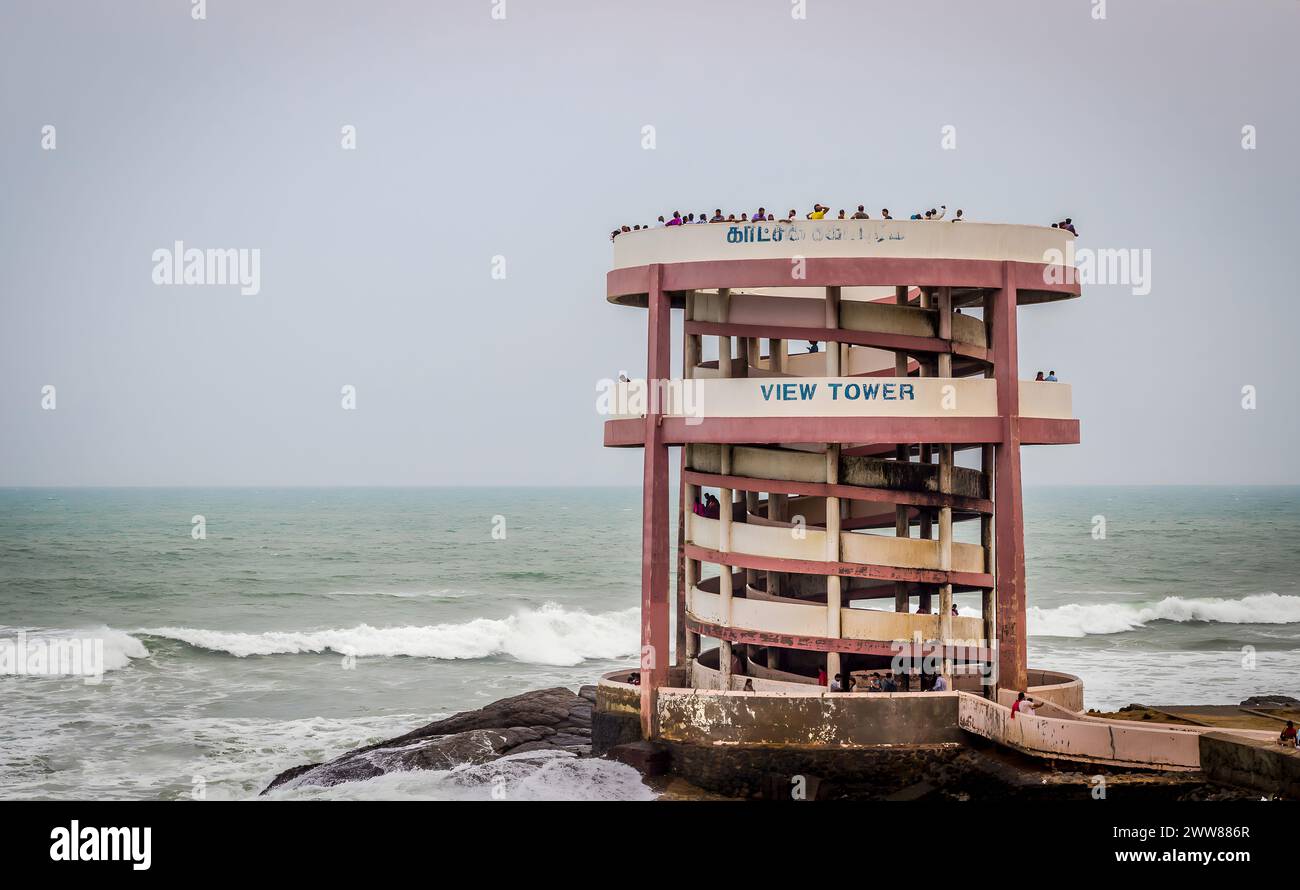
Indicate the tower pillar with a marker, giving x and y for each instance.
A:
(655, 641)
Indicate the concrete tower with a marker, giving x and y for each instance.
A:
(860, 428)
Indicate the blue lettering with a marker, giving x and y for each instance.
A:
(869, 392)
(835, 391)
(905, 391)
(807, 390)
(787, 391)
(767, 391)
(852, 391)
(889, 391)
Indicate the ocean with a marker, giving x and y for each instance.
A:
(309, 621)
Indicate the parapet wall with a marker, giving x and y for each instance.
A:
(1261, 764)
(826, 720)
(791, 716)
(1072, 739)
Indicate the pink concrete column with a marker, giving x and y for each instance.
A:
(1009, 520)
(655, 641)
(902, 524)
(988, 610)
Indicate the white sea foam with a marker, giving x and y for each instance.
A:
(1078, 620)
(550, 635)
(446, 593)
(118, 649)
(536, 775)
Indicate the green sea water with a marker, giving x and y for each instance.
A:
(308, 621)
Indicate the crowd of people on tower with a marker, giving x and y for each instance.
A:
(819, 211)
(762, 214)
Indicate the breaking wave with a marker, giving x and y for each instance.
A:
(550, 635)
(61, 652)
(1077, 620)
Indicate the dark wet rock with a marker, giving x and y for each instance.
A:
(1270, 701)
(542, 720)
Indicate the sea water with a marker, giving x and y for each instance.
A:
(303, 622)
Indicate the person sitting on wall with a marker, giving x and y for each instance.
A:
(634, 678)
(958, 217)
(1039, 377)
(862, 213)
(821, 676)
(837, 685)
(818, 212)
(916, 216)
(888, 684)
(718, 217)
(842, 216)
(761, 216)
(940, 684)
(938, 214)
(884, 213)
(749, 686)
(955, 613)
(923, 610)
(814, 345)
(676, 220)
(1068, 225)
(1022, 705)
(702, 218)
(1051, 377)
(1288, 736)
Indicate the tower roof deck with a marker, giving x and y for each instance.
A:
(799, 258)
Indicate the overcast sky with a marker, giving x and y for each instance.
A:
(523, 138)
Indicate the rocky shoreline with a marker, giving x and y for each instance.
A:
(558, 719)
(541, 720)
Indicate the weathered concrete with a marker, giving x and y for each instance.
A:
(1105, 742)
(1262, 765)
(870, 472)
(767, 745)
(830, 720)
(648, 758)
(794, 774)
(790, 464)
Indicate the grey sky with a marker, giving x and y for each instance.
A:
(523, 138)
